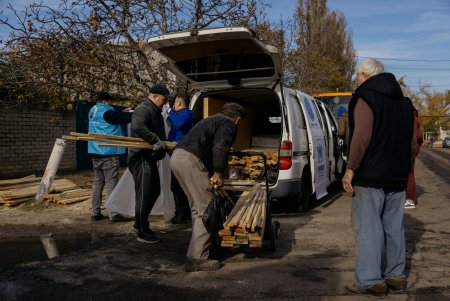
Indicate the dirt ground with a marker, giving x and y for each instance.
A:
(314, 259)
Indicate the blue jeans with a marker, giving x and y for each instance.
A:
(377, 221)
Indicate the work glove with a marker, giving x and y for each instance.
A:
(159, 146)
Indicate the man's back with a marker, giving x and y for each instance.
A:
(211, 140)
(387, 160)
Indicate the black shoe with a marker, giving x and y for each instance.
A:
(175, 220)
(98, 217)
(377, 290)
(119, 218)
(396, 285)
(148, 237)
(195, 265)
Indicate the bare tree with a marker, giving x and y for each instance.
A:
(324, 58)
(82, 46)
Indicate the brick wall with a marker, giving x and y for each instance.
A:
(27, 136)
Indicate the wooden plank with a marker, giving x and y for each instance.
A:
(115, 141)
(19, 181)
(226, 245)
(229, 238)
(20, 186)
(73, 200)
(239, 182)
(11, 203)
(224, 232)
(126, 145)
(58, 184)
(107, 137)
(241, 240)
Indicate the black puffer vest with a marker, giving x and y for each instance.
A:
(387, 160)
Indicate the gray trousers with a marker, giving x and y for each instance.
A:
(377, 220)
(106, 174)
(194, 179)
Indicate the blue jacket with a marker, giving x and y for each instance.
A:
(180, 123)
(98, 125)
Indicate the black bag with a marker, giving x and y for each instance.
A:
(214, 215)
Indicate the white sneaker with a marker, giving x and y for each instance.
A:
(409, 205)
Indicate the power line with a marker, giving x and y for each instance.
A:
(402, 60)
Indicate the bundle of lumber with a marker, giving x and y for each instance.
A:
(246, 221)
(69, 196)
(115, 141)
(17, 191)
(250, 167)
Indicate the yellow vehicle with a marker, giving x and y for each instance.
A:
(336, 101)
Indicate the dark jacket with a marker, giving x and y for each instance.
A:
(387, 160)
(211, 140)
(147, 123)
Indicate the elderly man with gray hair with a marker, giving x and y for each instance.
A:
(203, 154)
(380, 153)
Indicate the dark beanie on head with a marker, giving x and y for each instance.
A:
(159, 89)
(102, 96)
(233, 109)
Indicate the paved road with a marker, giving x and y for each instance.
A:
(315, 259)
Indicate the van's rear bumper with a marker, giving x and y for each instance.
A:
(286, 189)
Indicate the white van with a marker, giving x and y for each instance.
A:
(232, 64)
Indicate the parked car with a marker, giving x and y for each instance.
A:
(232, 64)
(446, 142)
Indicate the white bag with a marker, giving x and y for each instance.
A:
(122, 199)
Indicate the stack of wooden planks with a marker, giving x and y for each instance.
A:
(250, 167)
(69, 197)
(115, 141)
(17, 191)
(246, 221)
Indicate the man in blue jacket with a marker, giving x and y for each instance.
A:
(103, 119)
(181, 120)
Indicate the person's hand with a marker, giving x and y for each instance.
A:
(127, 110)
(159, 146)
(347, 180)
(216, 180)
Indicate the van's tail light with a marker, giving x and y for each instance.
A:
(286, 155)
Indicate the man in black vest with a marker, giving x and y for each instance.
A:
(147, 123)
(380, 153)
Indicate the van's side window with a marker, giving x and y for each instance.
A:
(301, 122)
(332, 123)
(321, 117)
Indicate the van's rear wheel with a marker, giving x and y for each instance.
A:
(304, 197)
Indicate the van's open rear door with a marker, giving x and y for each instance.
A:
(220, 58)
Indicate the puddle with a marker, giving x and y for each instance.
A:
(26, 249)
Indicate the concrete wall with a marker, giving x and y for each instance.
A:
(27, 136)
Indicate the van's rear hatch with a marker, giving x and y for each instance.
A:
(219, 58)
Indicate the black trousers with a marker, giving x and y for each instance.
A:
(147, 188)
(182, 209)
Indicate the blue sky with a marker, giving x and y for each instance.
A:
(411, 36)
